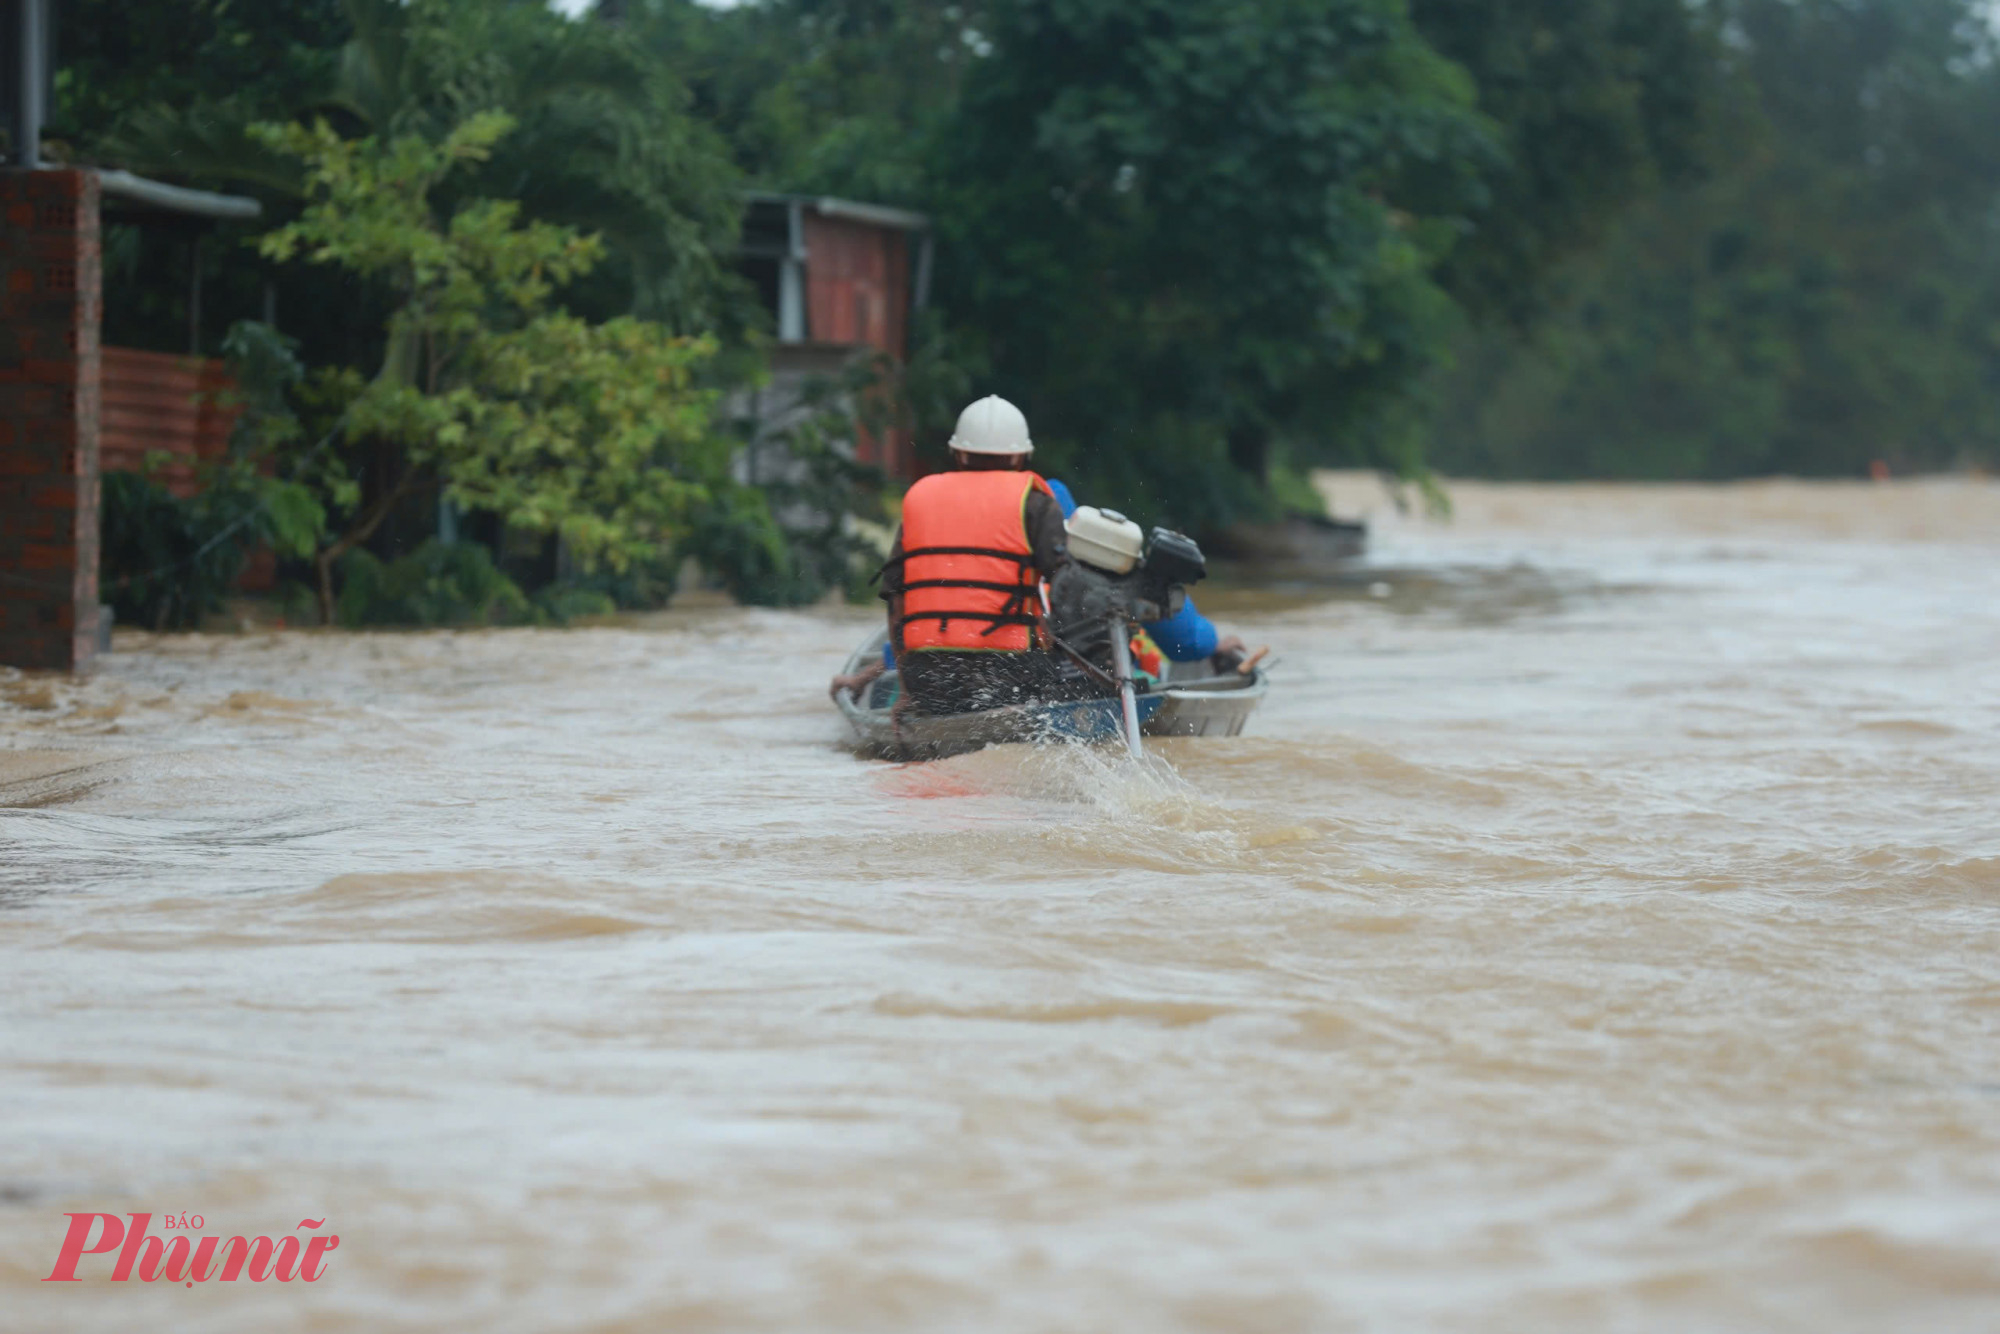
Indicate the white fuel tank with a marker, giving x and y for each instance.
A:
(1105, 539)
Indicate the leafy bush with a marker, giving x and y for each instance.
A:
(644, 585)
(559, 604)
(440, 583)
(167, 562)
(455, 583)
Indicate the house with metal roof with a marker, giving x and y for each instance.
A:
(841, 281)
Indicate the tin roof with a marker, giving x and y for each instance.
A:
(881, 215)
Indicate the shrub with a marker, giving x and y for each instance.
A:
(440, 583)
(166, 562)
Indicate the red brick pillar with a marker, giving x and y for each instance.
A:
(50, 303)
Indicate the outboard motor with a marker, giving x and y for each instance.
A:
(1112, 572)
(1112, 580)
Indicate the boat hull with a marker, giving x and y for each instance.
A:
(1209, 706)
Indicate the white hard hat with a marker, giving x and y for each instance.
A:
(992, 426)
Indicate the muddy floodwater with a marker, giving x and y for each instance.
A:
(1597, 930)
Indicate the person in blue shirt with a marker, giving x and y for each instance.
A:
(1187, 635)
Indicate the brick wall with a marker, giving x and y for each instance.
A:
(50, 301)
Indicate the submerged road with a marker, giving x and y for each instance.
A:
(1599, 929)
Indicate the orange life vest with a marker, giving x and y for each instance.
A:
(969, 580)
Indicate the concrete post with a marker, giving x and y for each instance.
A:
(51, 298)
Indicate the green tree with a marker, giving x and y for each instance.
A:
(114, 57)
(1186, 232)
(1597, 103)
(1830, 297)
(827, 96)
(593, 431)
(604, 139)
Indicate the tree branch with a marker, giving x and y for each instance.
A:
(371, 519)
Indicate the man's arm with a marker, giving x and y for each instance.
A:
(1048, 540)
(892, 593)
(892, 590)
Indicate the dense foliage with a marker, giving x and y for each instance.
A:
(1205, 244)
(1594, 101)
(1184, 230)
(603, 139)
(591, 431)
(452, 583)
(170, 561)
(1829, 297)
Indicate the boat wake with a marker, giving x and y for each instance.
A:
(1102, 782)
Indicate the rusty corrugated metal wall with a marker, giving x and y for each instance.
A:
(154, 402)
(858, 293)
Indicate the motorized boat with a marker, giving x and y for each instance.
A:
(1115, 580)
(1193, 701)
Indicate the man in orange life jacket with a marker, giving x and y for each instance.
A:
(963, 582)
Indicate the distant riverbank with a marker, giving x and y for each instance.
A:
(1959, 507)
